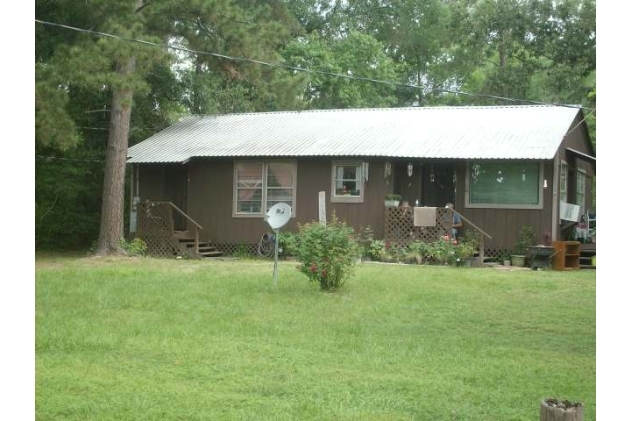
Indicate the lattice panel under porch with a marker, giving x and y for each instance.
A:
(154, 225)
(154, 219)
(230, 249)
(160, 246)
(400, 230)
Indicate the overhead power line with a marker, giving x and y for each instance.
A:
(131, 128)
(300, 69)
(58, 158)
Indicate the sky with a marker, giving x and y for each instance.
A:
(17, 285)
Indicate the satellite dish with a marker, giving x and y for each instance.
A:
(278, 215)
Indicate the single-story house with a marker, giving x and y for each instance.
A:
(501, 166)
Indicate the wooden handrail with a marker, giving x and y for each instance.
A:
(183, 214)
(471, 223)
(480, 230)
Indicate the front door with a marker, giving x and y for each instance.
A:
(438, 186)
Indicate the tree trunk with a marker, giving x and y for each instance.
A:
(197, 100)
(115, 160)
(553, 410)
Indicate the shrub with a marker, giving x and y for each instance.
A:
(377, 250)
(418, 251)
(467, 246)
(287, 243)
(525, 239)
(135, 247)
(365, 239)
(327, 254)
(443, 251)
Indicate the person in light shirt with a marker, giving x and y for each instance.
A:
(456, 223)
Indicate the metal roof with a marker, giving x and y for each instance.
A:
(493, 132)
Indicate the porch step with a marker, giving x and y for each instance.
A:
(204, 249)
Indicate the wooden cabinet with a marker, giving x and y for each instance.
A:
(568, 255)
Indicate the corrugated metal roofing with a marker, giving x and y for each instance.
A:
(496, 132)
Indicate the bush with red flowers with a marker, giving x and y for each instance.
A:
(327, 254)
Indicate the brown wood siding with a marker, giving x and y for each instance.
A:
(151, 182)
(165, 183)
(210, 200)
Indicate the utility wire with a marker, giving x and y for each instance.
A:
(131, 128)
(57, 158)
(300, 69)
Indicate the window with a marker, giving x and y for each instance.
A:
(514, 185)
(580, 189)
(260, 185)
(563, 182)
(347, 182)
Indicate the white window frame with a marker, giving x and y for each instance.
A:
(265, 188)
(359, 178)
(581, 191)
(468, 204)
(564, 174)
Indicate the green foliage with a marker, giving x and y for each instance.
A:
(468, 244)
(287, 243)
(135, 247)
(242, 251)
(418, 251)
(67, 209)
(525, 238)
(53, 126)
(327, 254)
(365, 239)
(356, 54)
(442, 252)
(377, 250)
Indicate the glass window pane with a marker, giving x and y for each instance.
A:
(348, 180)
(249, 187)
(257, 183)
(504, 183)
(280, 183)
(280, 175)
(580, 189)
(563, 183)
(284, 195)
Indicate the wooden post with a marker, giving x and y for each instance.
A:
(554, 410)
(481, 248)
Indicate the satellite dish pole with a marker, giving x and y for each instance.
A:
(276, 232)
(277, 217)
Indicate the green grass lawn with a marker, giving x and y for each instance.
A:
(145, 339)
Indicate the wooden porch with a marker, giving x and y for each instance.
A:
(156, 227)
(401, 227)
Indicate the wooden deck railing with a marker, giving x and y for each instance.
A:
(399, 228)
(155, 226)
(480, 231)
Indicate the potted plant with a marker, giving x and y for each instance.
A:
(525, 239)
(392, 199)
(504, 258)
